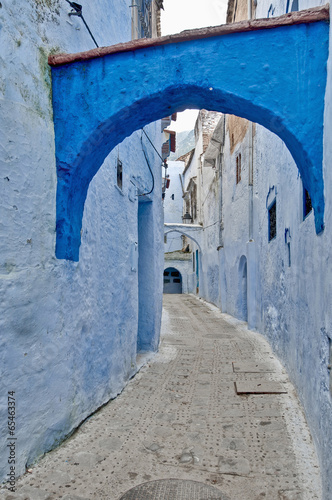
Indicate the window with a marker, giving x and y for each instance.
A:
(141, 19)
(165, 238)
(273, 221)
(238, 168)
(175, 274)
(307, 206)
(119, 174)
(166, 273)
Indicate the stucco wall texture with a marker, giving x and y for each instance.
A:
(69, 330)
(294, 301)
(286, 296)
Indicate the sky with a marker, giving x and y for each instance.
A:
(180, 15)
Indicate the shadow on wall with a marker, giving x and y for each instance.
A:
(172, 280)
(147, 334)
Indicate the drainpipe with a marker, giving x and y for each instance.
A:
(222, 274)
(251, 162)
(133, 20)
(249, 9)
(251, 250)
(181, 181)
(251, 182)
(199, 190)
(221, 161)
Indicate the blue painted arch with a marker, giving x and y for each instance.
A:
(275, 77)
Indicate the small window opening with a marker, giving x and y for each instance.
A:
(166, 273)
(176, 280)
(165, 238)
(175, 274)
(273, 221)
(238, 168)
(307, 205)
(172, 196)
(119, 174)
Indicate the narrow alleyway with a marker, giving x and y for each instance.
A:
(182, 418)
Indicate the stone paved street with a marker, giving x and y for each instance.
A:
(182, 418)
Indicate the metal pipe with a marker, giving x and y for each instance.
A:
(251, 162)
(77, 11)
(249, 9)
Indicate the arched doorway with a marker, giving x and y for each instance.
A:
(193, 232)
(172, 280)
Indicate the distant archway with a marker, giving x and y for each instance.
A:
(187, 233)
(272, 72)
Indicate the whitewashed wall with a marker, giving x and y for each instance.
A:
(173, 205)
(288, 301)
(286, 296)
(68, 330)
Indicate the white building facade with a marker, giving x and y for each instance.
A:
(178, 261)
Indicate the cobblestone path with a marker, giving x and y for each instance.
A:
(182, 418)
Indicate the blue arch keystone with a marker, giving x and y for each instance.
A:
(270, 71)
